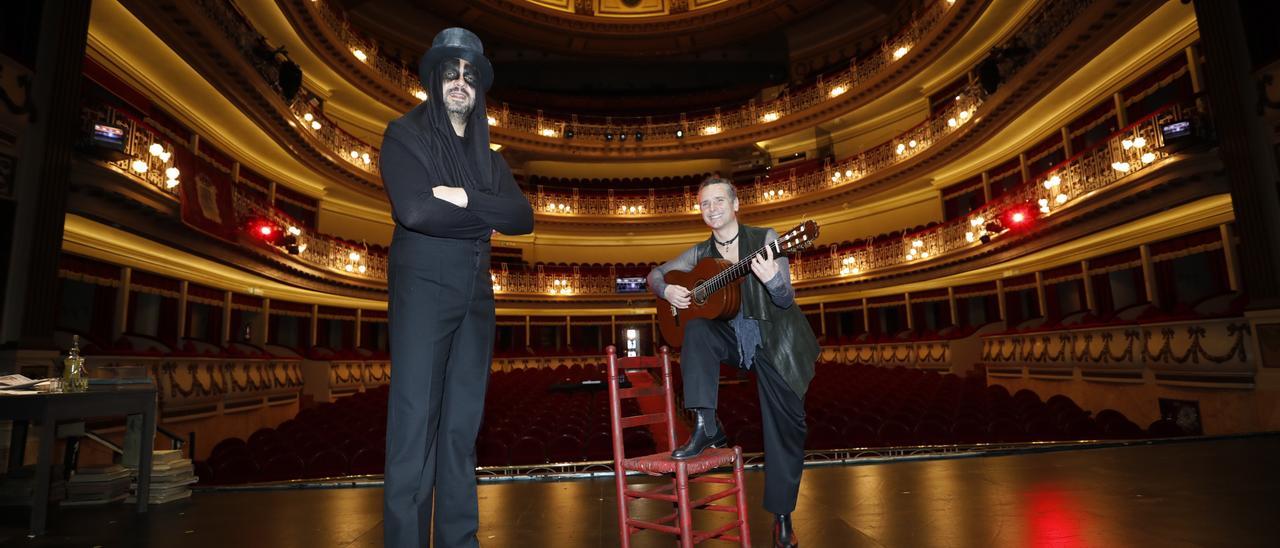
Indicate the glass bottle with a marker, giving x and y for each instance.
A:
(74, 376)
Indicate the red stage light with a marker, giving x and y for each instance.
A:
(1019, 217)
(264, 230)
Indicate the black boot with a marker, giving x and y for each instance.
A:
(700, 439)
(784, 536)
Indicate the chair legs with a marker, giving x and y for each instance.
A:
(686, 514)
(744, 531)
(679, 521)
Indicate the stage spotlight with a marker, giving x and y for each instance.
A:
(639, 135)
(264, 230)
(679, 134)
(622, 136)
(568, 133)
(608, 136)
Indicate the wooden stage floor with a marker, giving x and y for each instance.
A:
(1219, 492)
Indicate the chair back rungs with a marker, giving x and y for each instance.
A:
(644, 420)
(642, 362)
(625, 393)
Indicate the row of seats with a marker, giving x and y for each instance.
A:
(561, 414)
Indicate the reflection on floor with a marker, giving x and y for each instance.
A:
(1202, 493)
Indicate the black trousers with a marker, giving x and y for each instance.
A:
(440, 310)
(707, 343)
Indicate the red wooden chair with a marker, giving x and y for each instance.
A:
(680, 472)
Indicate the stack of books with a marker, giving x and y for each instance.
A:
(98, 485)
(171, 477)
(18, 486)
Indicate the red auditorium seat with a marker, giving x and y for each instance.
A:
(1123, 429)
(1083, 428)
(491, 452)
(859, 434)
(565, 448)
(368, 461)
(932, 432)
(287, 466)
(239, 469)
(229, 444)
(893, 433)
(326, 464)
(262, 438)
(528, 450)
(823, 436)
(599, 445)
(1005, 430)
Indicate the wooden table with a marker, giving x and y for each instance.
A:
(47, 409)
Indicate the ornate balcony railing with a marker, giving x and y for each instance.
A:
(848, 172)
(1132, 150)
(308, 117)
(149, 152)
(597, 128)
(316, 249)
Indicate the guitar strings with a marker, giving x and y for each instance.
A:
(737, 270)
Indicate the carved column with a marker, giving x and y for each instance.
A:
(1245, 144)
(40, 187)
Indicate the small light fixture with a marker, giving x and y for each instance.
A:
(360, 55)
(139, 166)
(315, 124)
(900, 52)
(769, 117)
(838, 91)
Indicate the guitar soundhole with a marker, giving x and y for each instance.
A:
(698, 297)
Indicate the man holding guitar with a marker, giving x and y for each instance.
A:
(759, 327)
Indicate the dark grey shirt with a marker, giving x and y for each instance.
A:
(747, 330)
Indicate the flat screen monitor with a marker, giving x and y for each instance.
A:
(634, 284)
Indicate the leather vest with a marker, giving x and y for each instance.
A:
(786, 339)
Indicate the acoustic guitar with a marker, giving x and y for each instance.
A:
(714, 284)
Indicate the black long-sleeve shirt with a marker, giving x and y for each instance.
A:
(414, 207)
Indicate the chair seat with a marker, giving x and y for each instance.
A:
(661, 463)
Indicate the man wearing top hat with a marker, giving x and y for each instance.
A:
(449, 192)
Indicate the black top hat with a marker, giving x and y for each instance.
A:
(456, 43)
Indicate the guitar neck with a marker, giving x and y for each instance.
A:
(729, 275)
